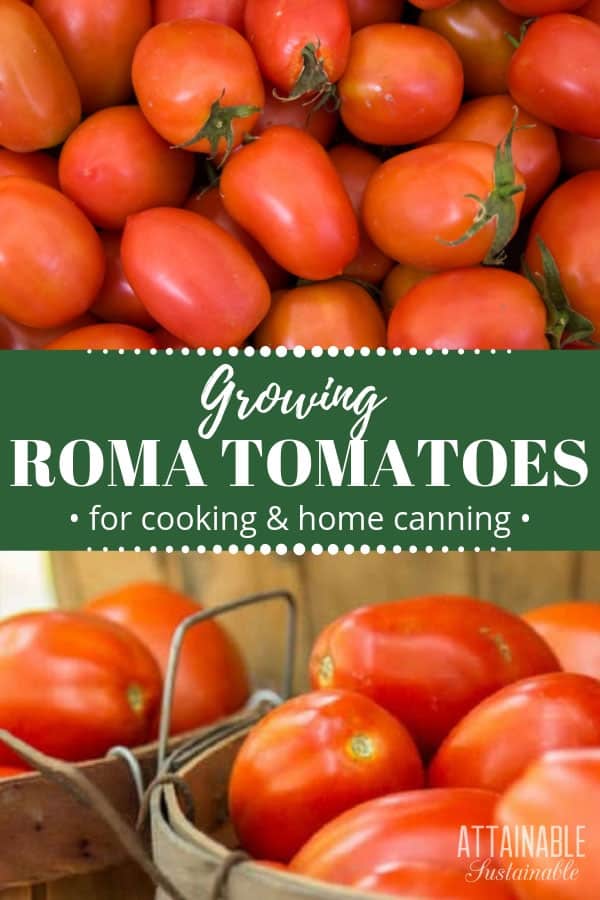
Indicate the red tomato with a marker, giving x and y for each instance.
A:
(569, 225)
(413, 827)
(534, 146)
(198, 84)
(211, 679)
(97, 40)
(372, 12)
(320, 123)
(12, 772)
(355, 167)
(54, 274)
(227, 12)
(470, 309)
(104, 337)
(208, 203)
(302, 46)
(193, 278)
(39, 101)
(555, 73)
(590, 10)
(398, 283)
(533, 8)
(547, 712)
(447, 176)
(577, 153)
(115, 165)
(562, 789)
(117, 301)
(310, 760)
(164, 340)
(327, 314)
(573, 632)
(428, 660)
(99, 684)
(38, 166)
(283, 189)
(477, 30)
(19, 337)
(419, 881)
(402, 84)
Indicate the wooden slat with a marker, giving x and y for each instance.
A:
(24, 893)
(521, 581)
(587, 574)
(123, 883)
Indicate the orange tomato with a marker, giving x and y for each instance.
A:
(573, 632)
(106, 336)
(39, 166)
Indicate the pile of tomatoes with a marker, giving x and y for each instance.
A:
(299, 172)
(76, 684)
(439, 731)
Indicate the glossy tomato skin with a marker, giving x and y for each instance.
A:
(39, 104)
(416, 203)
(116, 301)
(477, 30)
(412, 827)
(569, 225)
(402, 84)
(372, 12)
(208, 203)
(38, 166)
(398, 283)
(470, 309)
(534, 8)
(55, 274)
(211, 681)
(278, 31)
(19, 337)
(573, 632)
(97, 41)
(555, 73)
(419, 881)
(428, 660)
(535, 148)
(284, 190)
(577, 153)
(549, 712)
(114, 165)
(181, 68)
(561, 788)
(309, 761)
(227, 12)
(321, 123)
(355, 167)
(99, 684)
(326, 314)
(194, 279)
(104, 336)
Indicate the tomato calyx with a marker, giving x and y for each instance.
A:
(219, 126)
(136, 698)
(498, 206)
(360, 747)
(313, 82)
(564, 325)
(525, 26)
(326, 671)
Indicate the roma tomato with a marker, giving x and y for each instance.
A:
(548, 712)
(419, 881)
(555, 73)
(211, 679)
(100, 685)
(428, 660)
(18, 337)
(535, 8)
(284, 190)
(115, 165)
(104, 337)
(194, 279)
(577, 153)
(98, 41)
(569, 225)
(38, 166)
(198, 84)
(402, 84)
(302, 46)
(326, 314)
(573, 632)
(534, 145)
(227, 12)
(590, 10)
(477, 30)
(116, 301)
(560, 789)
(355, 167)
(51, 259)
(208, 203)
(39, 102)
(398, 283)
(165, 340)
(372, 12)
(470, 309)
(419, 207)
(310, 760)
(413, 827)
(320, 123)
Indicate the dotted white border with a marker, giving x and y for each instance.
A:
(297, 352)
(299, 549)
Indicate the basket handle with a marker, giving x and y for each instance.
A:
(75, 782)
